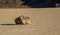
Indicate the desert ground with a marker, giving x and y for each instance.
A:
(45, 21)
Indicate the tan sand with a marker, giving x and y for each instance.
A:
(44, 21)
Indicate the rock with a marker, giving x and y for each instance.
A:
(22, 20)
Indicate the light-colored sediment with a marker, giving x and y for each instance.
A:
(44, 21)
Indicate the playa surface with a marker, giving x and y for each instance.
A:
(45, 21)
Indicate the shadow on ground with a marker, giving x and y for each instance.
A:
(11, 24)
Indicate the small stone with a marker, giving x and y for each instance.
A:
(22, 20)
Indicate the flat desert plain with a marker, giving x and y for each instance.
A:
(45, 21)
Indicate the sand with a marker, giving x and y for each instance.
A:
(45, 21)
